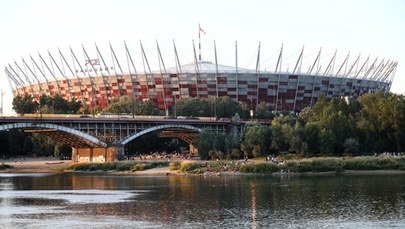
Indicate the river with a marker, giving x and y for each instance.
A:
(80, 200)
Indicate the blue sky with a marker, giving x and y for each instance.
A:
(369, 27)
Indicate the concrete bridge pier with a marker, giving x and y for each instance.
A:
(99, 154)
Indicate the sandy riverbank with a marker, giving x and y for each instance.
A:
(54, 165)
(35, 165)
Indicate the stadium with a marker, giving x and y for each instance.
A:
(97, 75)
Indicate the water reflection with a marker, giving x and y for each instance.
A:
(104, 201)
(253, 205)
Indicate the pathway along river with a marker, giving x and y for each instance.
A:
(74, 200)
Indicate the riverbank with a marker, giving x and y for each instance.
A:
(35, 165)
(308, 166)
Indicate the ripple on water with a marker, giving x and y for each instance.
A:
(72, 196)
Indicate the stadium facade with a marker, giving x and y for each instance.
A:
(96, 77)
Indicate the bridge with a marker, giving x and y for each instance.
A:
(103, 139)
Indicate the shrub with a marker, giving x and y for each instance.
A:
(188, 166)
(93, 167)
(373, 163)
(123, 166)
(259, 168)
(351, 146)
(326, 165)
(108, 166)
(316, 165)
(79, 167)
(299, 166)
(175, 165)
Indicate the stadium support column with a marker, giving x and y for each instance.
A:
(129, 60)
(178, 71)
(119, 66)
(258, 75)
(73, 73)
(62, 73)
(34, 73)
(77, 75)
(361, 69)
(197, 71)
(236, 72)
(337, 73)
(216, 70)
(10, 78)
(278, 67)
(52, 73)
(309, 73)
(178, 66)
(102, 76)
(18, 80)
(27, 80)
(43, 74)
(162, 74)
(328, 68)
(145, 59)
(35, 76)
(88, 75)
(385, 77)
(391, 78)
(299, 62)
(348, 73)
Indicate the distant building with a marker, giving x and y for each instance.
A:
(92, 79)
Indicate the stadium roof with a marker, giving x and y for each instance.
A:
(207, 67)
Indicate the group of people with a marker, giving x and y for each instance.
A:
(159, 156)
(274, 160)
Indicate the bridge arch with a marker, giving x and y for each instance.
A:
(160, 127)
(79, 139)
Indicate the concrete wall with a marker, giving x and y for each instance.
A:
(95, 154)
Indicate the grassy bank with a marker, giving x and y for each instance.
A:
(329, 164)
(321, 164)
(342, 164)
(117, 166)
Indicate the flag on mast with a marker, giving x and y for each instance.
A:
(201, 30)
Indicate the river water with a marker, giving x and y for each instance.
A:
(74, 200)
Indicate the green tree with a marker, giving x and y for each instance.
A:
(4, 141)
(130, 105)
(16, 140)
(310, 136)
(327, 140)
(58, 105)
(262, 111)
(256, 141)
(74, 106)
(43, 145)
(24, 104)
(204, 143)
(351, 146)
(227, 107)
(62, 150)
(282, 128)
(194, 107)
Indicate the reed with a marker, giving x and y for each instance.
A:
(259, 168)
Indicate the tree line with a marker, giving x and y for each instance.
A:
(17, 143)
(372, 123)
(221, 107)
